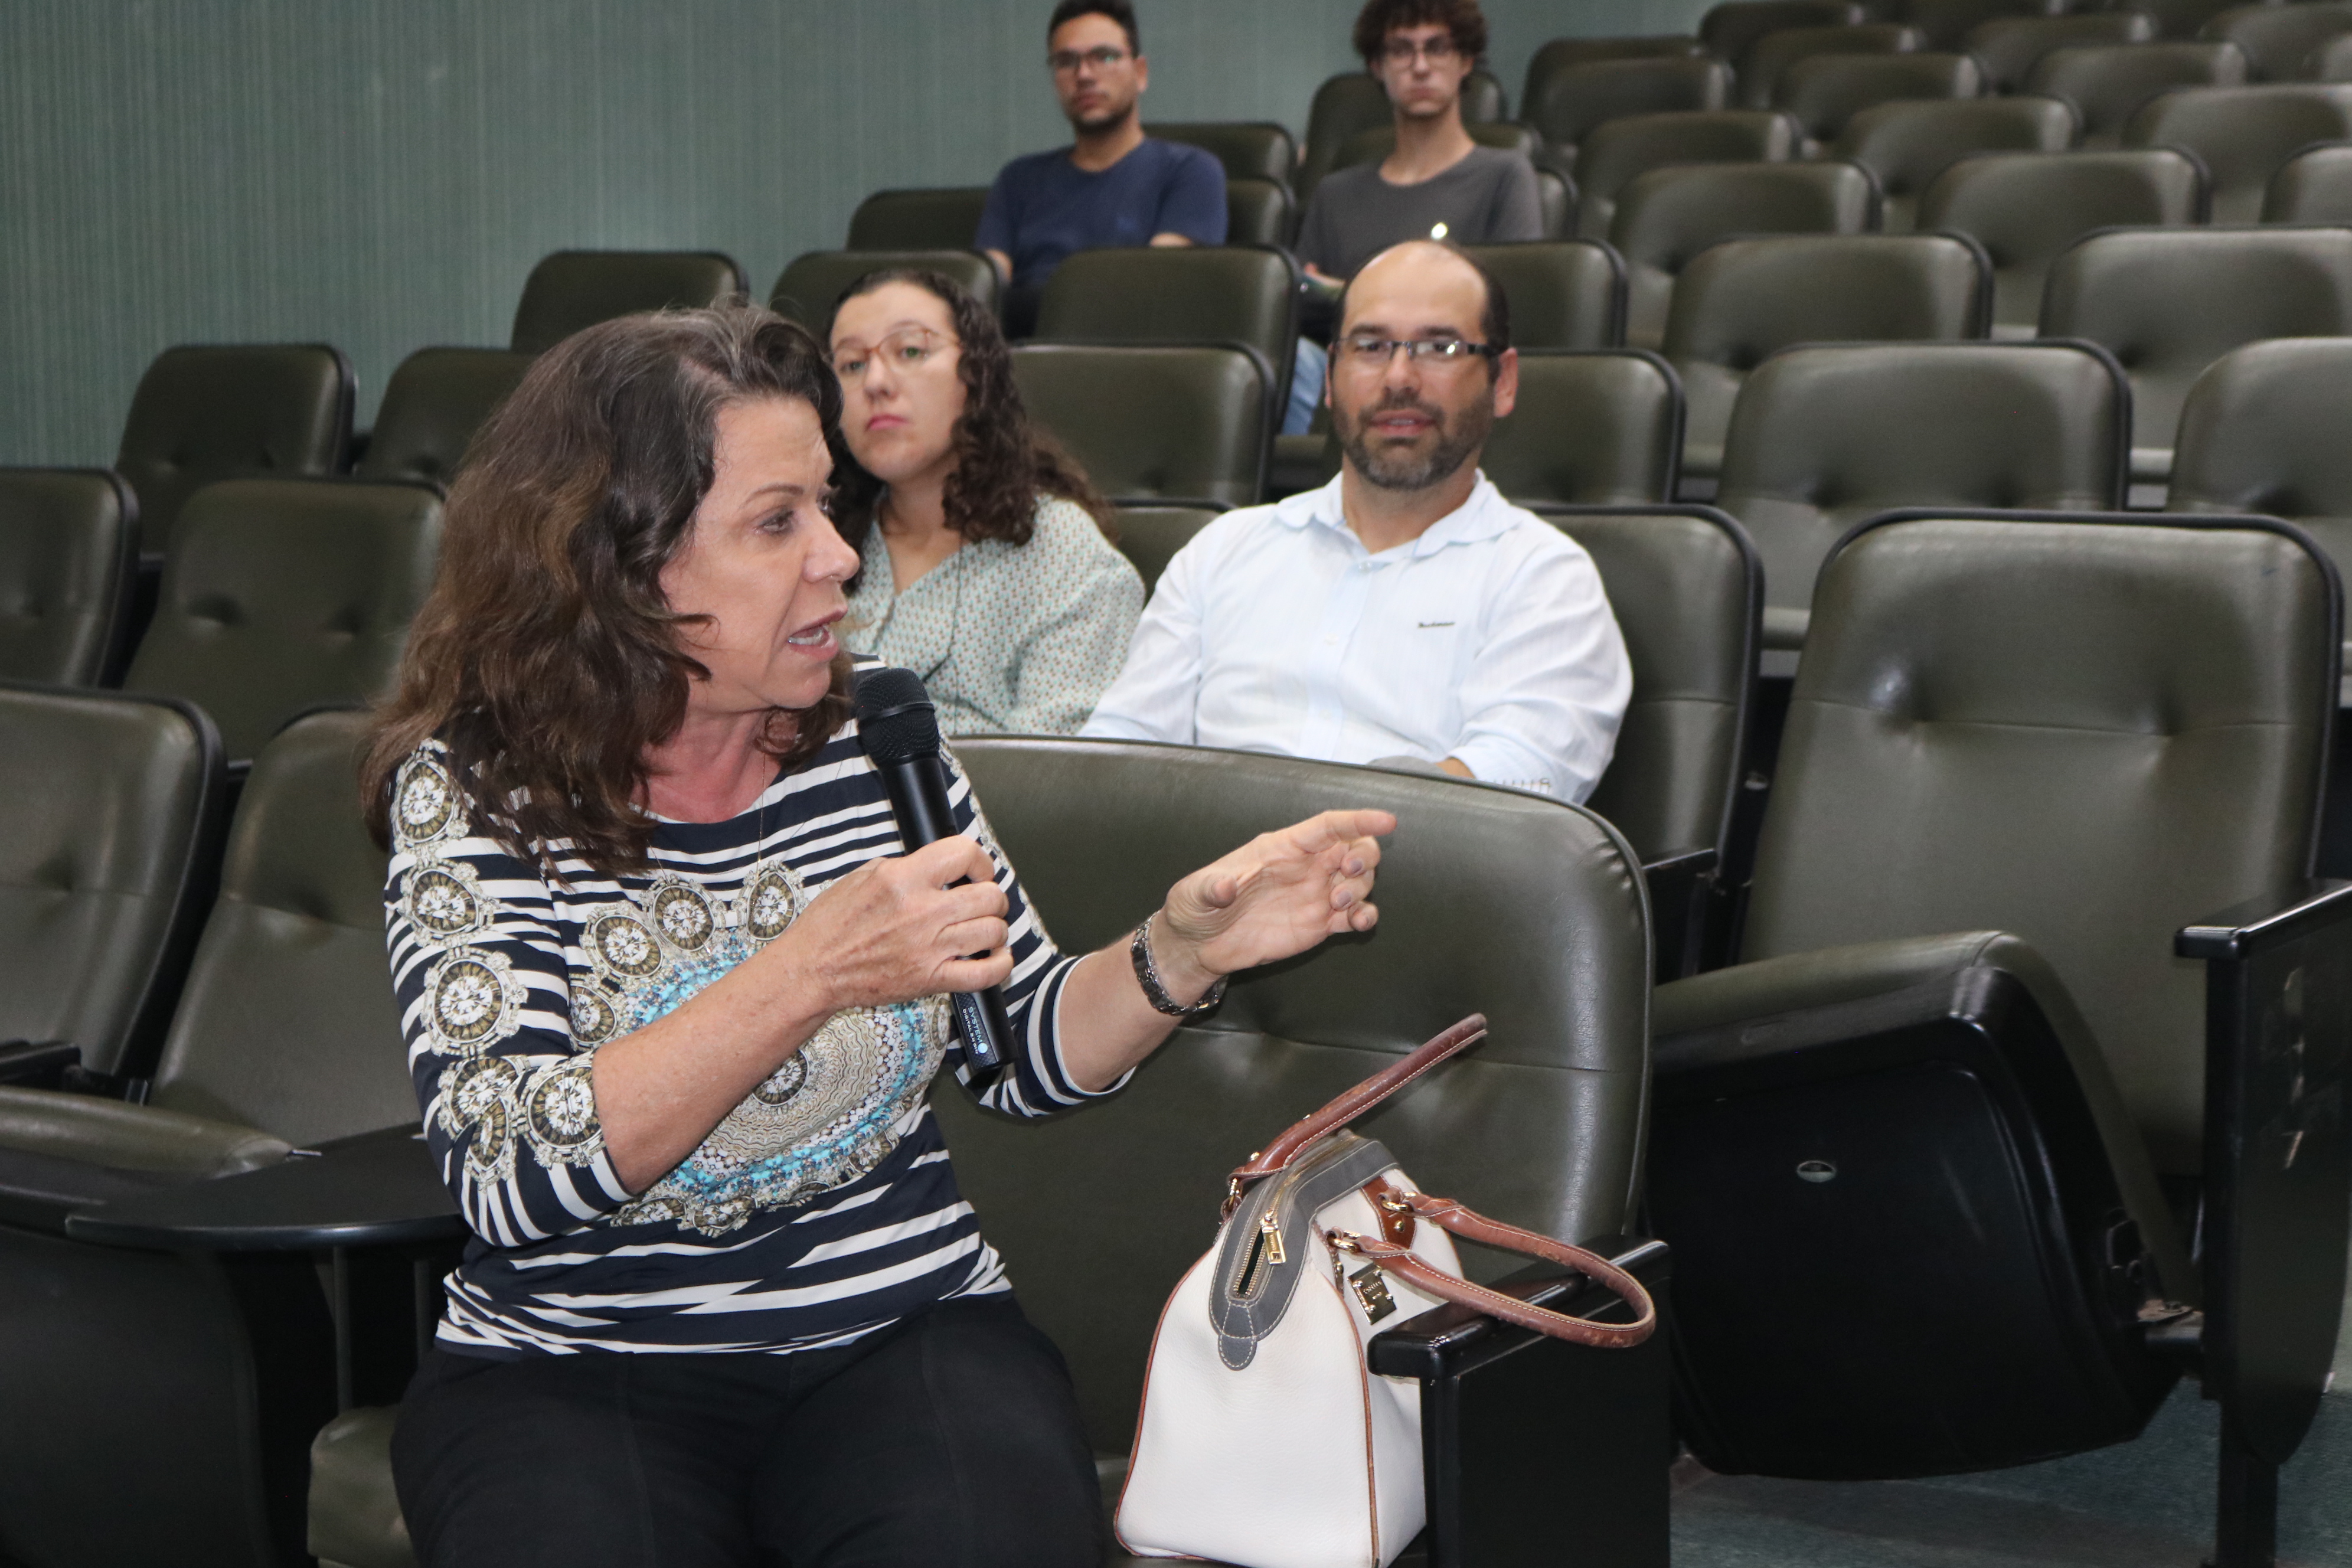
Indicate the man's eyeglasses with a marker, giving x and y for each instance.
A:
(1066, 62)
(909, 348)
(1366, 352)
(1436, 51)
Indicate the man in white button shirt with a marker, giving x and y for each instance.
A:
(1405, 612)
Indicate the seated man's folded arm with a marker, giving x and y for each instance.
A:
(1545, 696)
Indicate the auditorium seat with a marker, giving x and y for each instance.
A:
(68, 555)
(2181, 18)
(1907, 145)
(2331, 61)
(1770, 58)
(1491, 900)
(1355, 101)
(1181, 424)
(1249, 149)
(2108, 82)
(2008, 48)
(1565, 54)
(1824, 92)
(575, 288)
(1259, 211)
(1555, 202)
(200, 1377)
(282, 595)
(2025, 208)
(211, 411)
(107, 858)
(2032, 925)
(1947, 23)
(1224, 294)
(1563, 294)
(1741, 299)
(2243, 133)
(435, 401)
(1825, 435)
(1729, 29)
(932, 218)
(1574, 99)
(2262, 431)
(1620, 150)
(1592, 428)
(809, 287)
(2278, 40)
(2313, 186)
(1149, 535)
(1666, 217)
(2168, 302)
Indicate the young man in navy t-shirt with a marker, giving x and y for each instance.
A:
(1115, 186)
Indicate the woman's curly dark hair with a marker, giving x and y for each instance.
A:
(1462, 18)
(1003, 462)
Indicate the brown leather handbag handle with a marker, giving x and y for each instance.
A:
(1474, 1227)
(1352, 1104)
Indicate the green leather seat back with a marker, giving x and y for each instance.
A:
(1573, 98)
(808, 290)
(1619, 150)
(432, 407)
(2278, 40)
(1193, 294)
(2262, 431)
(2331, 61)
(1559, 55)
(2244, 133)
(2313, 186)
(1494, 901)
(945, 217)
(2009, 46)
(1743, 299)
(1729, 28)
(1183, 423)
(1593, 428)
(288, 1023)
(1555, 204)
(2025, 208)
(210, 412)
(1770, 58)
(69, 543)
(2168, 302)
(1150, 536)
(114, 806)
(1249, 149)
(2108, 82)
(2085, 733)
(1907, 145)
(1666, 217)
(280, 595)
(575, 288)
(1948, 23)
(1355, 101)
(1563, 293)
(1259, 211)
(1824, 436)
(1824, 92)
(1686, 587)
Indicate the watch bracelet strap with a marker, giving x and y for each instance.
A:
(1146, 974)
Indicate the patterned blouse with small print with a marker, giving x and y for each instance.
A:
(1015, 639)
(821, 1208)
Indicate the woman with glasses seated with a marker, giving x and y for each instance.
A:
(984, 565)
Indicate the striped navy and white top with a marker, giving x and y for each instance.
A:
(822, 1207)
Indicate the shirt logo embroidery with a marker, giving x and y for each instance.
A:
(1431, 625)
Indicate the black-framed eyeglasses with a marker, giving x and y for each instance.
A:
(1401, 51)
(1104, 56)
(1365, 351)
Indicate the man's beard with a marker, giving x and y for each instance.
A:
(1407, 470)
(1105, 120)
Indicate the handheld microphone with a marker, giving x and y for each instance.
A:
(899, 730)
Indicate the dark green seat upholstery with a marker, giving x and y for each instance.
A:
(2262, 431)
(575, 288)
(1259, 211)
(69, 551)
(2008, 48)
(1907, 145)
(212, 412)
(432, 407)
(2313, 186)
(1825, 437)
(813, 283)
(1729, 28)
(1770, 57)
(2181, 18)
(1151, 535)
(1565, 54)
(1181, 423)
(1668, 217)
(1591, 428)
(2244, 133)
(2278, 40)
(1355, 101)
(1563, 294)
(2025, 208)
(1742, 299)
(1620, 150)
(2108, 82)
(1574, 99)
(2331, 61)
(2168, 302)
(1949, 23)
(945, 217)
(1824, 92)
(1221, 294)
(115, 805)
(1249, 149)
(281, 595)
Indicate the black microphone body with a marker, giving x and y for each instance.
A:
(899, 731)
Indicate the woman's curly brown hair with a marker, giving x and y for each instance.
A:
(1462, 18)
(1003, 462)
(547, 657)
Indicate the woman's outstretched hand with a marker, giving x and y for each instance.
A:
(1273, 898)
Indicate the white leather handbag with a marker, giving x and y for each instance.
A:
(1264, 1440)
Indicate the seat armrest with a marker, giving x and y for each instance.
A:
(1803, 981)
(1682, 887)
(97, 1132)
(36, 1062)
(2261, 925)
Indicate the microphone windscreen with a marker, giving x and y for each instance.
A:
(896, 720)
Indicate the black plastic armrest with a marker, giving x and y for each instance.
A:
(36, 1063)
(1680, 884)
(2260, 925)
